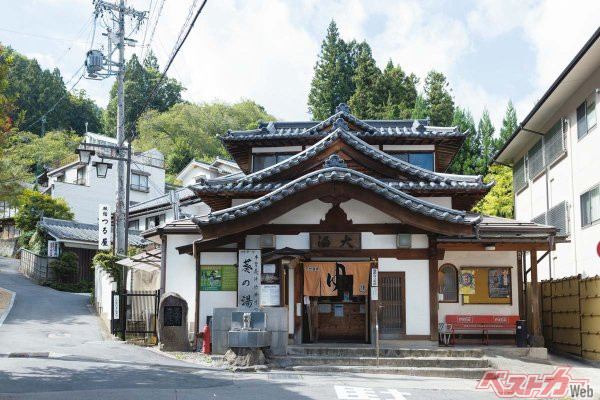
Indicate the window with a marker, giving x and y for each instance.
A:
(423, 160)
(139, 182)
(80, 176)
(156, 220)
(448, 283)
(554, 144)
(590, 206)
(262, 161)
(60, 178)
(586, 116)
(134, 225)
(519, 175)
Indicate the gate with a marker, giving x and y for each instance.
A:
(134, 315)
(393, 312)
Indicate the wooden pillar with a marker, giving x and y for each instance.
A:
(433, 289)
(520, 284)
(536, 340)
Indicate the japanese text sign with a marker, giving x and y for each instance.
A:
(249, 270)
(104, 227)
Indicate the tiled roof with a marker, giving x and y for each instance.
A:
(79, 232)
(338, 174)
(368, 128)
(424, 178)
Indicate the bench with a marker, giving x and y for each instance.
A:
(483, 323)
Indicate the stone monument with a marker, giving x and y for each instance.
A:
(172, 323)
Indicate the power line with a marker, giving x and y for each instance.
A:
(160, 8)
(41, 36)
(178, 47)
(61, 98)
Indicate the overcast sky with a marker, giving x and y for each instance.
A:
(491, 51)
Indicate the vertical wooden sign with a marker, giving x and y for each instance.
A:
(249, 270)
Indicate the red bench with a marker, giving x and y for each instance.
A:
(483, 323)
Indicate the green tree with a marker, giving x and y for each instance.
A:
(419, 111)
(83, 110)
(140, 81)
(509, 125)
(466, 161)
(438, 99)
(54, 149)
(486, 133)
(366, 102)
(197, 127)
(66, 266)
(332, 81)
(397, 91)
(33, 205)
(499, 201)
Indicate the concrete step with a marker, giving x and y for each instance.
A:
(370, 352)
(413, 362)
(462, 373)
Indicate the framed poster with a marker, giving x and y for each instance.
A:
(269, 295)
(218, 278)
(499, 283)
(467, 281)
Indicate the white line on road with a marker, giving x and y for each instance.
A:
(10, 304)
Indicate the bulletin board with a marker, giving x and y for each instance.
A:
(493, 285)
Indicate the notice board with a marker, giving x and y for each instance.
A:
(492, 285)
(218, 278)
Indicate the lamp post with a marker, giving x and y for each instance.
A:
(101, 168)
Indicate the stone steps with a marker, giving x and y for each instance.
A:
(412, 362)
(461, 373)
(371, 352)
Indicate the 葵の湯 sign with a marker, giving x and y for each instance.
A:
(249, 269)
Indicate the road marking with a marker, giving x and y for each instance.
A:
(10, 305)
(365, 393)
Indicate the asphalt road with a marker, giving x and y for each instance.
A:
(51, 347)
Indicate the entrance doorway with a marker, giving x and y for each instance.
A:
(392, 317)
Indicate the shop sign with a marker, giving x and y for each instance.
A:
(374, 277)
(104, 227)
(249, 270)
(335, 241)
(218, 278)
(53, 248)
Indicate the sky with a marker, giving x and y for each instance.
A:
(265, 50)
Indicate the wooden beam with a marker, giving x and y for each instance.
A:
(520, 284)
(294, 229)
(401, 254)
(433, 288)
(502, 246)
(536, 327)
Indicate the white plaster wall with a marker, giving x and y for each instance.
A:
(309, 213)
(300, 241)
(210, 300)
(180, 274)
(416, 273)
(362, 213)
(440, 201)
(481, 259)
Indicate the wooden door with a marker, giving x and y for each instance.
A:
(392, 315)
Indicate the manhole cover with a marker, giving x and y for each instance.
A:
(59, 335)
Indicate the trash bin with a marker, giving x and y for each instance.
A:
(521, 332)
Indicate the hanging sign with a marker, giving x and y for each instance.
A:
(335, 241)
(374, 277)
(249, 262)
(467, 281)
(104, 227)
(53, 249)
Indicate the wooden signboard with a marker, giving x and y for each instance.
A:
(335, 241)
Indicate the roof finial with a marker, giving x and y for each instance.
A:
(340, 124)
(418, 126)
(342, 107)
(335, 161)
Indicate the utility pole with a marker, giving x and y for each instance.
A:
(99, 67)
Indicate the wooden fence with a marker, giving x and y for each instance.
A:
(35, 266)
(571, 315)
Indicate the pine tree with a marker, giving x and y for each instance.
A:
(466, 160)
(419, 111)
(397, 91)
(486, 133)
(366, 102)
(509, 125)
(332, 82)
(438, 99)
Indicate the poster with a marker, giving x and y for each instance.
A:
(269, 295)
(249, 270)
(218, 278)
(467, 281)
(104, 227)
(499, 283)
(53, 248)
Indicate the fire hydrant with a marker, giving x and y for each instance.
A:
(206, 338)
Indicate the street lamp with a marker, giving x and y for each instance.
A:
(84, 155)
(101, 168)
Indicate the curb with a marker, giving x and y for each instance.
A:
(10, 305)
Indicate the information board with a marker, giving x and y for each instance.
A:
(218, 278)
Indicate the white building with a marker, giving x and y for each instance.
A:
(556, 167)
(79, 185)
(197, 170)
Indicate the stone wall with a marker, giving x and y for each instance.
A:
(8, 247)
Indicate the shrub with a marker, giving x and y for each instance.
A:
(66, 266)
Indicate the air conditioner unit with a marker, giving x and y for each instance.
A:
(267, 241)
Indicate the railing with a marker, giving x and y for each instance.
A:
(35, 266)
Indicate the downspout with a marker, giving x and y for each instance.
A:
(572, 231)
(196, 256)
(163, 264)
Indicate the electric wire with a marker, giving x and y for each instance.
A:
(144, 49)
